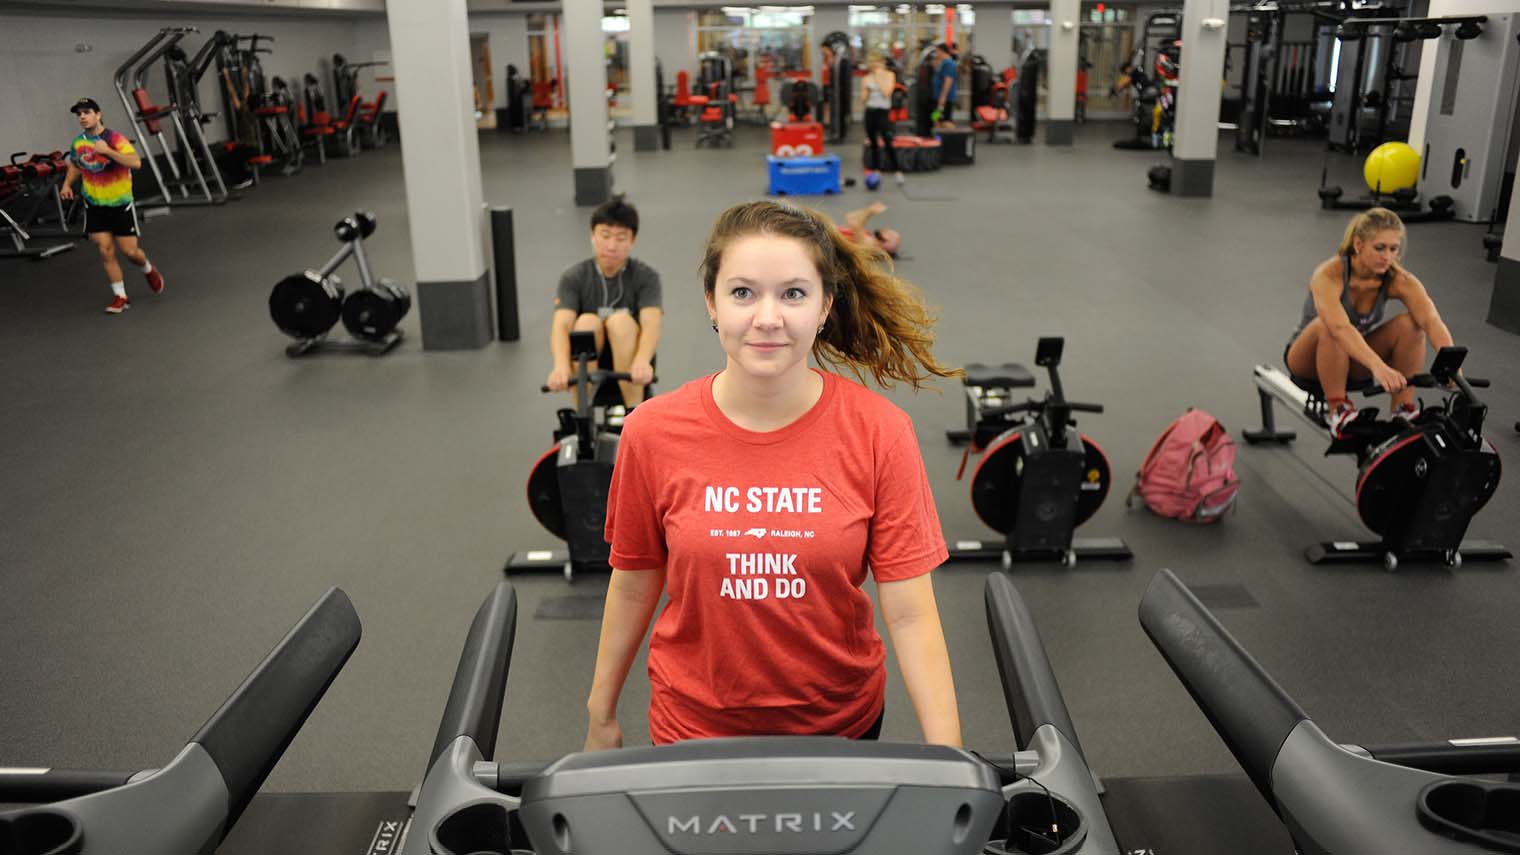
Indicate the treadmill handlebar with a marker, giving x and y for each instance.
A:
(475, 700)
(247, 735)
(192, 802)
(1029, 684)
(41, 786)
(1489, 756)
(1251, 713)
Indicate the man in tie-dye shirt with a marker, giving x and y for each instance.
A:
(105, 159)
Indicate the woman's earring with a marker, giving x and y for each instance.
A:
(821, 328)
(715, 326)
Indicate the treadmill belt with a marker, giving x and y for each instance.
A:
(319, 824)
(1202, 814)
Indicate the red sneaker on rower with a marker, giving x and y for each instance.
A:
(156, 281)
(118, 306)
(1343, 414)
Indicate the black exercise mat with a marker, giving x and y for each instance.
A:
(1195, 815)
(319, 824)
(571, 607)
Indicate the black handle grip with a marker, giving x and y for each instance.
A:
(1029, 684)
(1426, 381)
(475, 700)
(1009, 409)
(41, 786)
(247, 735)
(1251, 713)
(510, 777)
(1084, 408)
(1483, 757)
(597, 377)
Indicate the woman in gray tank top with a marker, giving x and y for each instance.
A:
(1345, 337)
(876, 97)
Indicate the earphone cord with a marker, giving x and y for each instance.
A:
(1055, 825)
(619, 284)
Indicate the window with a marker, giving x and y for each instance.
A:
(776, 35)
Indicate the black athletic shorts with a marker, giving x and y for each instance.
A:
(874, 731)
(118, 220)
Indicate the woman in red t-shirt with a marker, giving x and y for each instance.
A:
(759, 499)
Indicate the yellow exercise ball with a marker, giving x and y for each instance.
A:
(1391, 166)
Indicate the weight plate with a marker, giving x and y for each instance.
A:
(305, 306)
(370, 315)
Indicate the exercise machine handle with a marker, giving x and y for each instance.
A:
(1429, 381)
(190, 804)
(1083, 408)
(1496, 756)
(597, 377)
(40, 786)
(467, 735)
(1009, 409)
(1250, 711)
(247, 735)
(475, 700)
(1029, 684)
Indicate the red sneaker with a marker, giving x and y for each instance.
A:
(1342, 415)
(118, 306)
(156, 281)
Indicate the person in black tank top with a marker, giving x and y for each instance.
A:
(1345, 336)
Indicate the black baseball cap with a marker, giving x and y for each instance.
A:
(84, 104)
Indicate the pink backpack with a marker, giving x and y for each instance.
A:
(1189, 473)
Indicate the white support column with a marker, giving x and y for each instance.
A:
(590, 148)
(1061, 70)
(1196, 136)
(1504, 305)
(646, 131)
(430, 53)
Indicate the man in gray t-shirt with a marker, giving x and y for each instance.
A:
(612, 295)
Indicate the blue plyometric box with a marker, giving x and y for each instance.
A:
(803, 176)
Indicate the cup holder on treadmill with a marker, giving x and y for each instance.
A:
(478, 829)
(39, 832)
(1036, 823)
(1488, 813)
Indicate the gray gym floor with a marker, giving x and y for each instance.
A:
(177, 492)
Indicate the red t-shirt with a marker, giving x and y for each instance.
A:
(766, 539)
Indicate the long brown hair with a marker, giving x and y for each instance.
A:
(878, 323)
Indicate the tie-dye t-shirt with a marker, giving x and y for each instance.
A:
(106, 182)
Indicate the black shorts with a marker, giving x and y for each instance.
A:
(873, 733)
(947, 114)
(118, 220)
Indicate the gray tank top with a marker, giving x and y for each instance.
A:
(875, 98)
(1362, 322)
